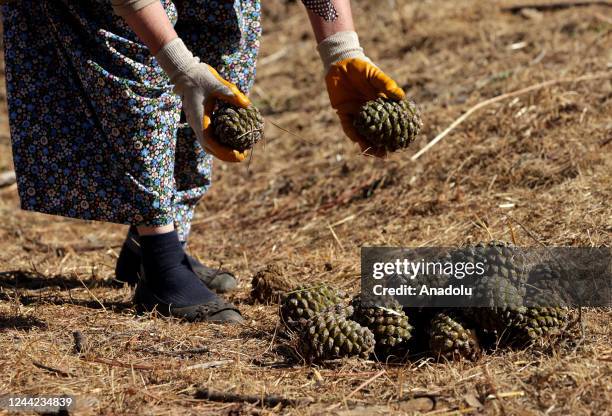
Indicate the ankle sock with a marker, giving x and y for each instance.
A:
(129, 261)
(168, 273)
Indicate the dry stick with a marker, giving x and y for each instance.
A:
(268, 400)
(502, 97)
(210, 364)
(189, 351)
(115, 363)
(289, 131)
(358, 389)
(493, 388)
(51, 369)
(92, 295)
(527, 230)
(554, 6)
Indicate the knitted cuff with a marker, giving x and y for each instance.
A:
(339, 46)
(175, 58)
(125, 7)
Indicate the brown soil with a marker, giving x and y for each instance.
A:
(532, 169)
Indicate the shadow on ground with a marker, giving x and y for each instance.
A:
(24, 323)
(20, 279)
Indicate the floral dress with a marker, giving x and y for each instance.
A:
(97, 133)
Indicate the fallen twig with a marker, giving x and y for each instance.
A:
(493, 389)
(358, 389)
(502, 97)
(190, 351)
(555, 5)
(211, 364)
(115, 363)
(51, 369)
(269, 400)
(94, 297)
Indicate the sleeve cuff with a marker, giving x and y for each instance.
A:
(340, 46)
(174, 57)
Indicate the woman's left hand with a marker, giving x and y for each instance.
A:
(352, 80)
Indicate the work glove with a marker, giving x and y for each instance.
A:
(352, 79)
(199, 85)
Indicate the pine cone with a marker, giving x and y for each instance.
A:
(330, 334)
(500, 258)
(449, 339)
(306, 302)
(387, 321)
(269, 284)
(388, 123)
(427, 281)
(547, 286)
(499, 300)
(533, 324)
(237, 128)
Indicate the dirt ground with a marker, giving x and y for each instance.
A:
(534, 169)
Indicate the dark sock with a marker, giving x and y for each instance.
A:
(128, 264)
(168, 272)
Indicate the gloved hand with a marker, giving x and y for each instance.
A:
(352, 79)
(199, 86)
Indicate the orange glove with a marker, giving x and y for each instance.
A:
(199, 87)
(352, 79)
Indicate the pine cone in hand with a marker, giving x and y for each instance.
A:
(237, 128)
(390, 124)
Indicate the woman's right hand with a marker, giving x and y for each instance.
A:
(199, 85)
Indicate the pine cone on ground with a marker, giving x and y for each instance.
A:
(388, 123)
(329, 334)
(236, 127)
(437, 279)
(305, 302)
(269, 284)
(547, 286)
(498, 301)
(387, 321)
(501, 259)
(534, 324)
(449, 339)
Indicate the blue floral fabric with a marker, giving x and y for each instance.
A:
(96, 131)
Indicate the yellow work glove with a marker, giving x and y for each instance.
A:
(352, 79)
(200, 86)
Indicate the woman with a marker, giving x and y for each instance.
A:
(95, 101)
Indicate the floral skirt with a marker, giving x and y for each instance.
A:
(96, 131)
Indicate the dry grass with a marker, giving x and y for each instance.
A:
(547, 153)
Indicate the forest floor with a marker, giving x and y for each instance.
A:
(532, 169)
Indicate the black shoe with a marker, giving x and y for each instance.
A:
(130, 261)
(213, 309)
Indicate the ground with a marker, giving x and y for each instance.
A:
(533, 169)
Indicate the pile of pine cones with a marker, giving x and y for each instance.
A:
(329, 328)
